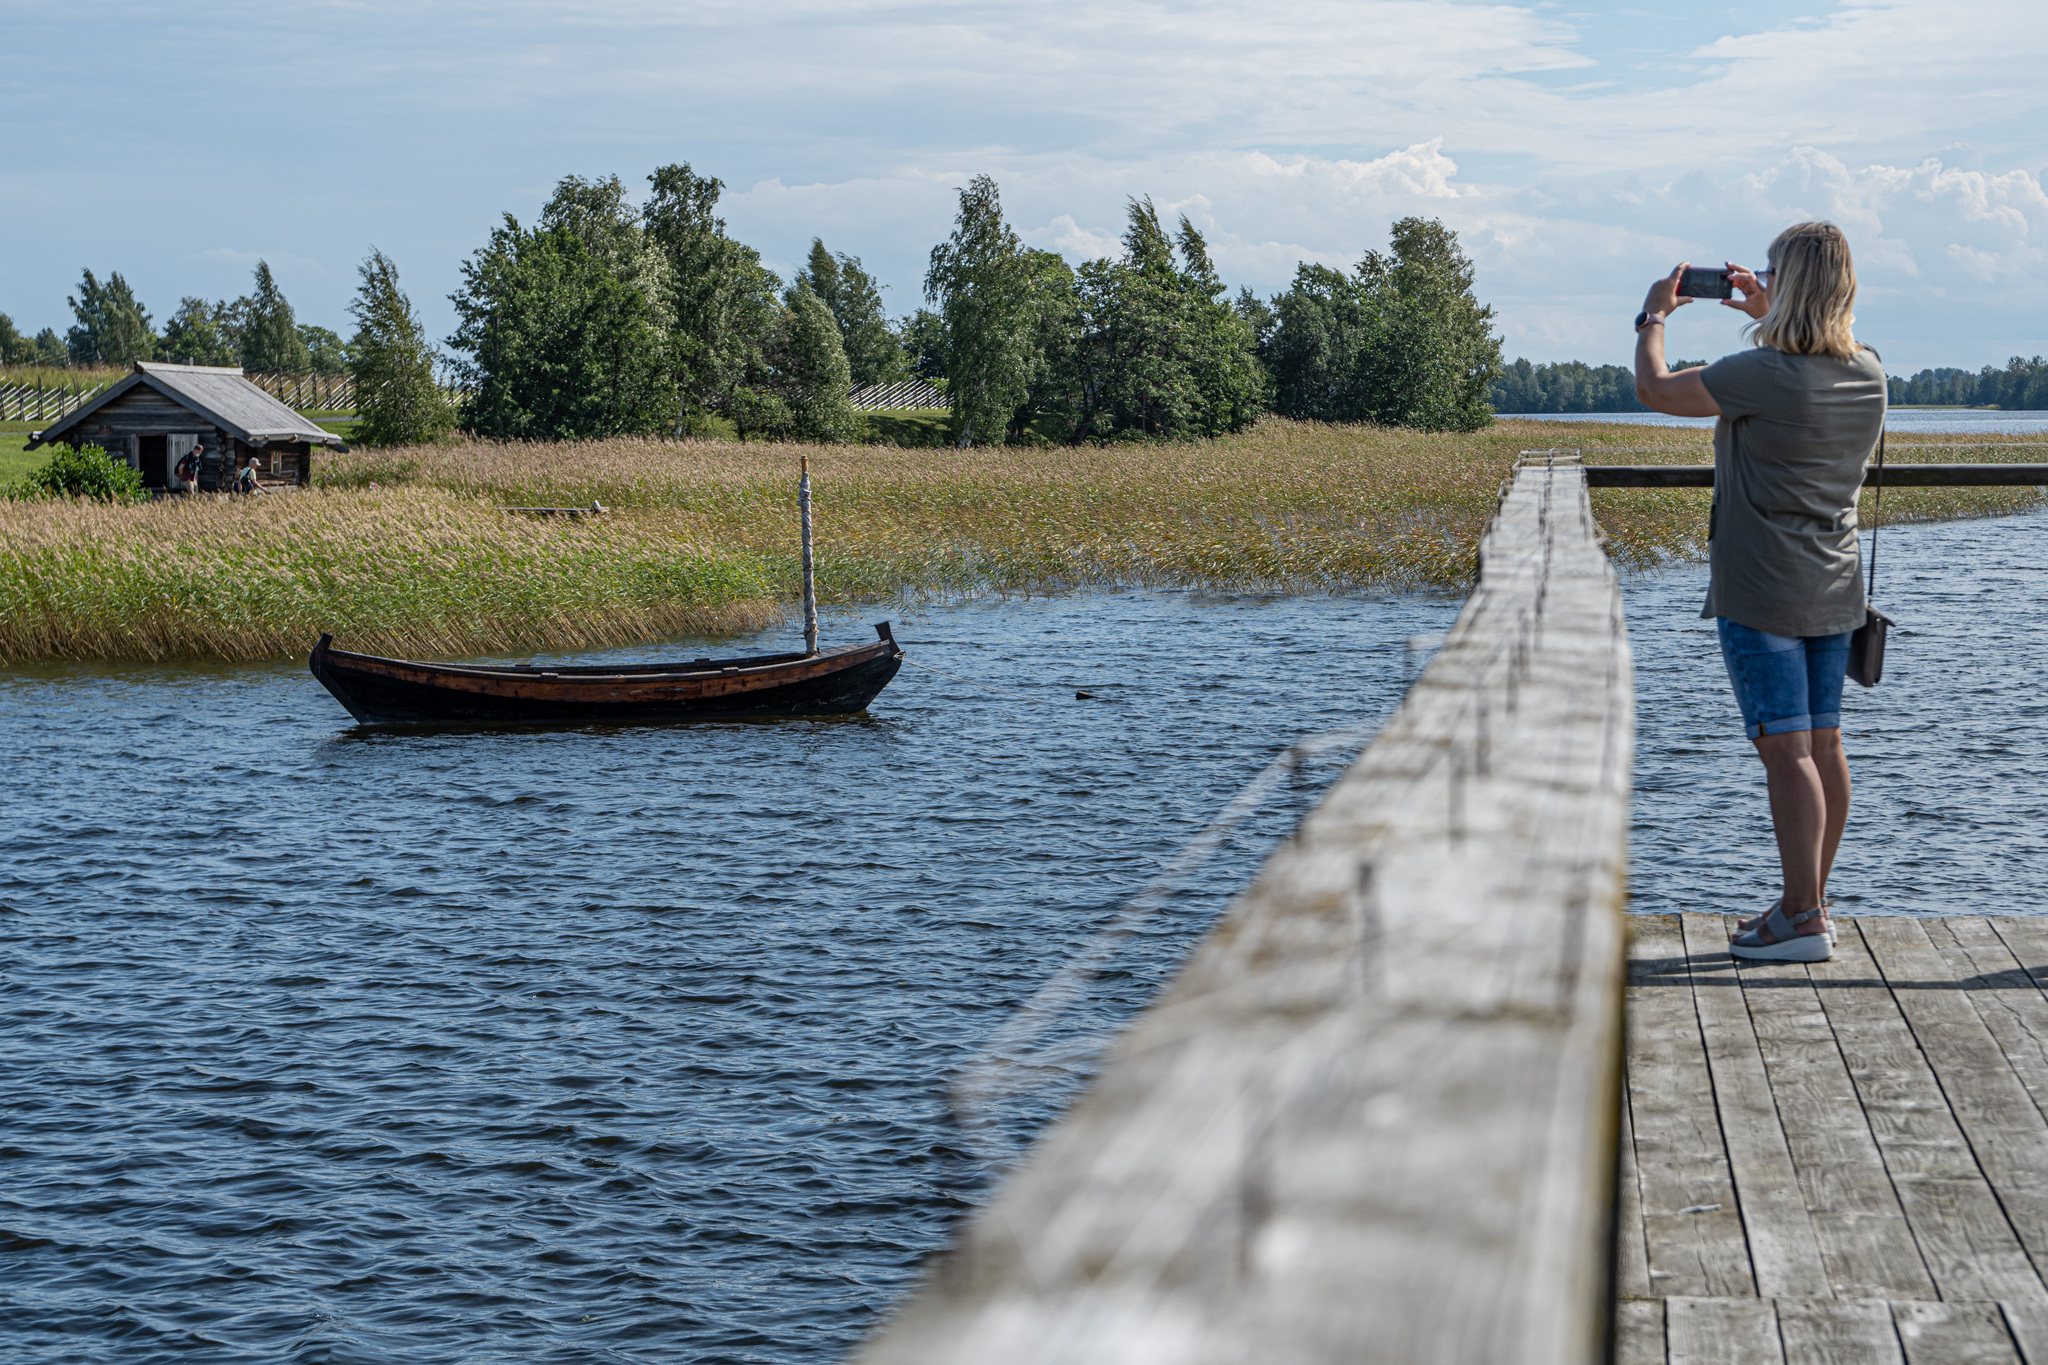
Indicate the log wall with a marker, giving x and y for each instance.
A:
(1375, 1117)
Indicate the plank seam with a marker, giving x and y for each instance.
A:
(1955, 1117)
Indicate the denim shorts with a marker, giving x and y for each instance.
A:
(1785, 682)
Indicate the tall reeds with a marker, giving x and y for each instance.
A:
(703, 536)
(416, 571)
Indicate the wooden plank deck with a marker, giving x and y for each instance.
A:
(1841, 1162)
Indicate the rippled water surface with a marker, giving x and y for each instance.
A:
(633, 1045)
(599, 1045)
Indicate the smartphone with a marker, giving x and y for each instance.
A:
(1705, 282)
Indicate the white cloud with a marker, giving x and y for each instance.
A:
(1575, 152)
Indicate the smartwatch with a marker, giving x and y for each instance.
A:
(1645, 319)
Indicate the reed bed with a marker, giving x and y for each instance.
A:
(415, 571)
(404, 551)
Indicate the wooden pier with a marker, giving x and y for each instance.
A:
(1387, 1111)
(1842, 1162)
(1375, 1117)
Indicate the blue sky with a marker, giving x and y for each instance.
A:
(1577, 149)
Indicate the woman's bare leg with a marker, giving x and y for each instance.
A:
(1799, 815)
(1831, 761)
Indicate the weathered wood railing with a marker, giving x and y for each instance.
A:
(1896, 475)
(1374, 1119)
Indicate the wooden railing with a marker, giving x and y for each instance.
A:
(1374, 1118)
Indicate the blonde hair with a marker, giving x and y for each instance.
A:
(1813, 290)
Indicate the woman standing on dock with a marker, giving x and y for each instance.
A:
(1799, 413)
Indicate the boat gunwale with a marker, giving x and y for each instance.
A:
(758, 665)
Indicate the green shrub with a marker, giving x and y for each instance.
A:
(84, 472)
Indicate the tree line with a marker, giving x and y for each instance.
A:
(1571, 386)
(257, 332)
(2022, 385)
(605, 317)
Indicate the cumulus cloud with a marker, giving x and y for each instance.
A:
(1574, 162)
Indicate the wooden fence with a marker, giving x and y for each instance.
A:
(35, 402)
(911, 393)
(302, 392)
(1375, 1117)
(309, 392)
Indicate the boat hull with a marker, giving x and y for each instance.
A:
(379, 691)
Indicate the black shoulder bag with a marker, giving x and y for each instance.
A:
(1866, 645)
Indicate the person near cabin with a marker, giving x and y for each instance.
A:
(246, 481)
(187, 471)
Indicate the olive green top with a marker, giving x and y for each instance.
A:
(1789, 452)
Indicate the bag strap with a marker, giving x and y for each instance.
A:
(1877, 518)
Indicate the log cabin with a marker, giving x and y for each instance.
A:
(160, 412)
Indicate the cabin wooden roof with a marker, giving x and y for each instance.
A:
(220, 396)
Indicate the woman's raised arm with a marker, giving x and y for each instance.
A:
(1683, 394)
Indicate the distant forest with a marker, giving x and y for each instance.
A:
(1572, 386)
(605, 316)
(2021, 385)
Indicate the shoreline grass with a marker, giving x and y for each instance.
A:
(702, 534)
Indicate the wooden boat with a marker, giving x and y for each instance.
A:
(833, 682)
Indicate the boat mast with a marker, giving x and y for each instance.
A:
(803, 502)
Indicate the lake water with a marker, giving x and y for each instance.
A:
(1939, 421)
(634, 1045)
(593, 1045)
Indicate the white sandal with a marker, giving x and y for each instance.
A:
(1743, 926)
(1787, 943)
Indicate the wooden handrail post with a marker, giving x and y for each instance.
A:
(1374, 1119)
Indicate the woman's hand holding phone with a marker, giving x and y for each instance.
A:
(1664, 297)
(1756, 295)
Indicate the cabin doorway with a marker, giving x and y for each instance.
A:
(176, 449)
(153, 454)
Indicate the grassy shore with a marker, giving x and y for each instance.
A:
(405, 551)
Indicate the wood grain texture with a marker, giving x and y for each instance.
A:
(1639, 1332)
(1701, 1331)
(1998, 1117)
(1374, 1117)
(1691, 1218)
(1864, 1237)
(1783, 1251)
(1631, 1257)
(1954, 1334)
(1838, 1332)
(1896, 475)
(2006, 996)
(1968, 1246)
